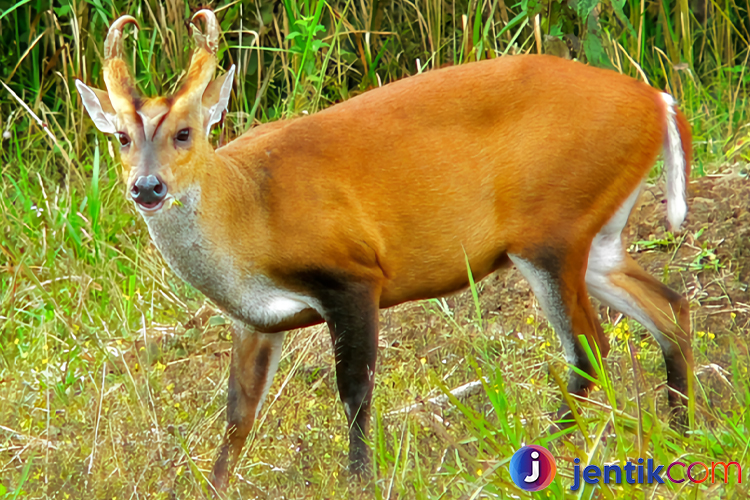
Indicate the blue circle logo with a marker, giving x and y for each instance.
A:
(532, 468)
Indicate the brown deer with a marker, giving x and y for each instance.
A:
(529, 160)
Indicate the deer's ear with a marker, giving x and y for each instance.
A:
(99, 106)
(216, 99)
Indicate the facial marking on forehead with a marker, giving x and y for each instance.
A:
(152, 114)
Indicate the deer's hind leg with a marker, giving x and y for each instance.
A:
(556, 275)
(255, 359)
(615, 279)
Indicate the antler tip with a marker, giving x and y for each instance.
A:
(204, 13)
(113, 42)
(211, 40)
(121, 21)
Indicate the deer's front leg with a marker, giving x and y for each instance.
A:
(255, 358)
(351, 312)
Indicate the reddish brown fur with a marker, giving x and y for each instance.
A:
(687, 140)
(385, 200)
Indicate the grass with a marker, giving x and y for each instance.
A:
(113, 372)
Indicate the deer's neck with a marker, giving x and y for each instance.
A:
(177, 234)
(192, 239)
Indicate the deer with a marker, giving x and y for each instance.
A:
(525, 160)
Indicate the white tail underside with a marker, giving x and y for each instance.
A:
(674, 164)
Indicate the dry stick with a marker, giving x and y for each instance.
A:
(465, 390)
(98, 417)
(25, 54)
(634, 365)
(146, 371)
(634, 63)
(40, 122)
(573, 407)
(617, 55)
(239, 69)
(49, 411)
(439, 429)
(538, 33)
(662, 56)
(640, 29)
(398, 456)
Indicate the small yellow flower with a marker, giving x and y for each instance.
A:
(44, 361)
(423, 361)
(530, 320)
(479, 472)
(711, 336)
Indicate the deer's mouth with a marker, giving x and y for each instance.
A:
(150, 208)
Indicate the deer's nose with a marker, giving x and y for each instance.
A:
(148, 191)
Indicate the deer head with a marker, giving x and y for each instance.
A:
(160, 137)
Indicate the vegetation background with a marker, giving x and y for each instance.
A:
(113, 372)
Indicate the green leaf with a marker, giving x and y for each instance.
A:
(617, 6)
(592, 44)
(61, 11)
(217, 320)
(594, 50)
(556, 30)
(318, 44)
(585, 8)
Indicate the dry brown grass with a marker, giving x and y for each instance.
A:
(148, 420)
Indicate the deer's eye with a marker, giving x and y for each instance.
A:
(183, 135)
(123, 138)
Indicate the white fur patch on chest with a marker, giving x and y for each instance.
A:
(251, 298)
(262, 304)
